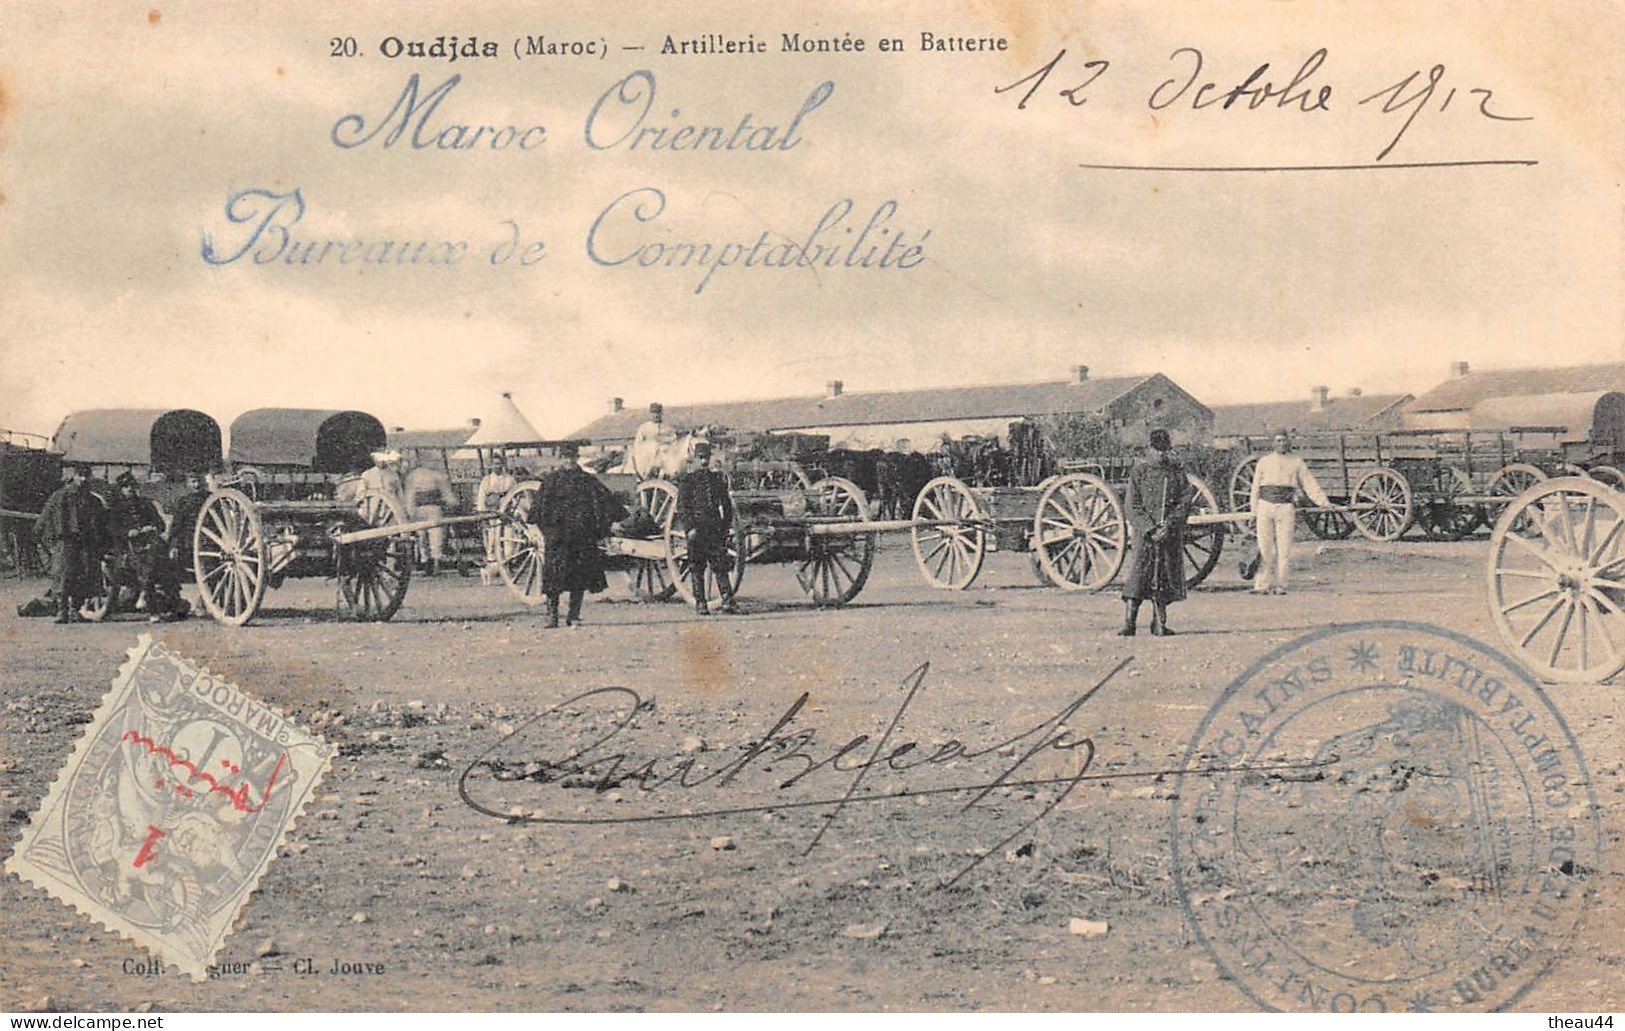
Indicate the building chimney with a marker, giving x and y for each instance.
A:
(833, 388)
(1458, 370)
(1080, 373)
(616, 404)
(474, 423)
(1317, 398)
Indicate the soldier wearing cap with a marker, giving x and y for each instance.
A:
(574, 512)
(1159, 500)
(73, 525)
(705, 513)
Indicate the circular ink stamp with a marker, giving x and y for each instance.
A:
(1385, 817)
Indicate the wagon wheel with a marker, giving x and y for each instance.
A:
(519, 544)
(949, 556)
(1445, 519)
(1607, 474)
(1329, 526)
(835, 568)
(1389, 496)
(1241, 493)
(659, 497)
(1203, 544)
(1512, 481)
(1079, 532)
(650, 578)
(229, 557)
(373, 575)
(1557, 586)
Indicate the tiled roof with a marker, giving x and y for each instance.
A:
(1011, 400)
(1338, 413)
(1468, 390)
(455, 436)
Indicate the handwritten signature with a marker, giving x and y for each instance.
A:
(604, 766)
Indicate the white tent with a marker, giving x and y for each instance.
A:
(506, 425)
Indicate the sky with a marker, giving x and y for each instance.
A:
(126, 129)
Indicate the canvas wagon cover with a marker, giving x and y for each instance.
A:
(1593, 416)
(168, 439)
(319, 439)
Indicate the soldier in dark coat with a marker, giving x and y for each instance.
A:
(705, 513)
(137, 528)
(574, 512)
(73, 524)
(1159, 500)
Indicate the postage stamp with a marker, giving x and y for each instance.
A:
(1438, 855)
(171, 807)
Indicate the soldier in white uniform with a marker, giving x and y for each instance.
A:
(494, 486)
(651, 445)
(1276, 481)
(384, 477)
(428, 496)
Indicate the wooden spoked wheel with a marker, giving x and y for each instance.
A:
(1443, 518)
(229, 557)
(1512, 481)
(1241, 493)
(373, 575)
(1203, 544)
(950, 553)
(1329, 526)
(1556, 587)
(1388, 496)
(659, 499)
(650, 578)
(836, 567)
(1080, 534)
(519, 546)
(1608, 475)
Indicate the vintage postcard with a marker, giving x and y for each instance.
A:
(935, 506)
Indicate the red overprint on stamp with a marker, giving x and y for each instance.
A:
(171, 807)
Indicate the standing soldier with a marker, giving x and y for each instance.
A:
(706, 514)
(429, 496)
(73, 524)
(1159, 500)
(574, 512)
(178, 546)
(1276, 481)
(493, 487)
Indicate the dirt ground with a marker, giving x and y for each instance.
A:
(443, 907)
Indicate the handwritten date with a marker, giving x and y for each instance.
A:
(1189, 83)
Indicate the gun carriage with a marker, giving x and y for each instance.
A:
(780, 517)
(1072, 524)
(1451, 482)
(292, 506)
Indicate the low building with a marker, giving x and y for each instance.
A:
(1449, 406)
(917, 420)
(1321, 412)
